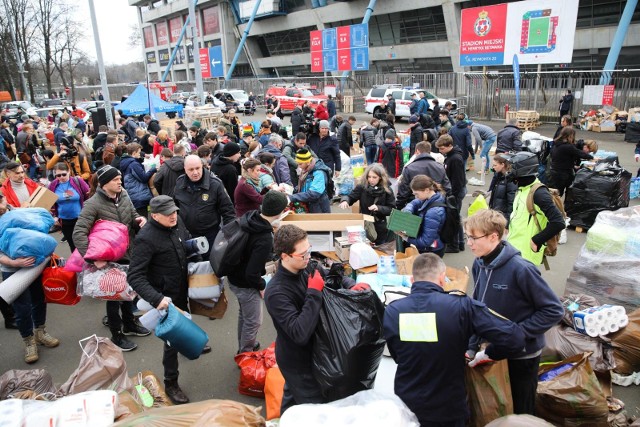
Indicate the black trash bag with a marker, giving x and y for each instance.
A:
(335, 276)
(595, 191)
(632, 132)
(348, 342)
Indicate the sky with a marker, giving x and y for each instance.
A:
(114, 20)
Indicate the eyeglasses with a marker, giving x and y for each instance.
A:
(474, 238)
(60, 175)
(305, 255)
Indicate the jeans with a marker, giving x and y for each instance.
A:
(486, 147)
(249, 316)
(29, 307)
(299, 388)
(170, 363)
(67, 231)
(370, 153)
(523, 374)
(113, 315)
(460, 243)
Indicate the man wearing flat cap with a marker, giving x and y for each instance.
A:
(158, 273)
(111, 202)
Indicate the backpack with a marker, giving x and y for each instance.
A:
(228, 248)
(330, 186)
(451, 226)
(551, 248)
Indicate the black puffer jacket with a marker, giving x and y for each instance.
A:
(503, 192)
(225, 169)
(368, 136)
(423, 164)
(297, 118)
(384, 200)
(159, 264)
(345, 139)
(417, 135)
(258, 251)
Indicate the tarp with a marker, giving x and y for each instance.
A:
(138, 103)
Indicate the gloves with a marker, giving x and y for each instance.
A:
(361, 287)
(469, 355)
(480, 359)
(315, 281)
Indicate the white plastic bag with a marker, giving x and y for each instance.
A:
(362, 255)
(563, 233)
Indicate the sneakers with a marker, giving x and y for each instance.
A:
(105, 321)
(451, 250)
(124, 344)
(136, 329)
(31, 349)
(43, 337)
(175, 393)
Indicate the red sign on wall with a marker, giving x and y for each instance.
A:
(344, 37)
(162, 35)
(316, 62)
(211, 20)
(344, 59)
(205, 63)
(147, 33)
(316, 41)
(607, 94)
(175, 27)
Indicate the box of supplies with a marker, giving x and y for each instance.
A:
(322, 229)
(342, 248)
(42, 198)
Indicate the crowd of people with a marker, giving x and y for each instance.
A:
(205, 179)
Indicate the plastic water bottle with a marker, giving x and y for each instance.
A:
(634, 191)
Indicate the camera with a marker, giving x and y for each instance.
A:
(310, 125)
(70, 151)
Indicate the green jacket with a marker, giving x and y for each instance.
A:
(522, 228)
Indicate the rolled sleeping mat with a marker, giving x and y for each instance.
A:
(19, 281)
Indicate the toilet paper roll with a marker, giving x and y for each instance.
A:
(613, 326)
(592, 332)
(624, 321)
(603, 330)
(619, 310)
(590, 320)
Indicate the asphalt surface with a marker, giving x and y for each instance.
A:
(215, 375)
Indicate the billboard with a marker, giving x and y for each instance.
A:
(537, 31)
(340, 49)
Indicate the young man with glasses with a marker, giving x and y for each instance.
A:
(294, 299)
(513, 287)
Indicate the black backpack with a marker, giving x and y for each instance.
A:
(330, 186)
(451, 226)
(228, 248)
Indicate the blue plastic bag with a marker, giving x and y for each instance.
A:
(37, 219)
(18, 243)
(182, 333)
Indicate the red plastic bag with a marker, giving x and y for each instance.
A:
(108, 241)
(74, 263)
(59, 285)
(253, 370)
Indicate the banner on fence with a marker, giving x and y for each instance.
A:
(538, 31)
(598, 95)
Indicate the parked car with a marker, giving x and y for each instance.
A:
(52, 102)
(92, 106)
(236, 96)
(11, 108)
(289, 96)
(378, 95)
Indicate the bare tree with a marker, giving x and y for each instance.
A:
(21, 14)
(9, 79)
(50, 15)
(135, 37)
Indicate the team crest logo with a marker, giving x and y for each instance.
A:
(205, 197)
(482, 26)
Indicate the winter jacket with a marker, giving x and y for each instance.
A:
(327, 150)
(78, 184)
(100, 140)
(203, 204)
(289, 152)
(423, 107)
(136, 181)
(417, 135)
(345, 137)
(509, 139)
(334, 124)
(566, 101)
(430, 378)
(7, 135)
(368, 196)
(158, 266)
(225, 169)
(523, 229)
(564, 156)
(482, 132)
(12, 198)
(58, 135)
(391, 104)
(435, 114)
(423, 164)
(313, 191)
(281, 168)
(78, 165)
(413, 107)
(503, 192)
(153, 127)
(158, 146)
(368, 136)
(258, 250)
(101, 206)
(129, 128)
(391, 157)
(454, 165)
(462, 139)
(321, 113)
(513, 287)
(433, 218)
(165, 179)
(246, 198)
(296, 120)
(331, 108)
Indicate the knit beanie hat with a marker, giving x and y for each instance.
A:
(303, 155)
(390, 134)
(413, 119)
(324, 124)
(273, 203)
(196, 123)
(230, 148)
(106, 174)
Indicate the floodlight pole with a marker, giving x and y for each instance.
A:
(103, 74)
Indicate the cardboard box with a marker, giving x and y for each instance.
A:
(342, 248)
(457, 280)
(595, 127)
(42, 198)
(322, 229)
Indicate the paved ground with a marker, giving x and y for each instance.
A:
(215, 375)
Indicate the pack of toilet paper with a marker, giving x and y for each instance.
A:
(601, 320)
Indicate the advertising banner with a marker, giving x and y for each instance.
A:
(175, 27)
(162, 34)
(147, 34)
(211, 19)
(538, 31)
(164, 55)
(340, 49)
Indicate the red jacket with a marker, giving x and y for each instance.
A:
(321, 113)
(157, 148)
(8, 192)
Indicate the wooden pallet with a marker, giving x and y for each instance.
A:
(527, 119)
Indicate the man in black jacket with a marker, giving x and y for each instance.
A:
(454, 165)
(345, 137)
(391, 104)
(246, 280)
(294, 299)
(326, 147)
(166, 177)
(202, 200)
(565, 104)
(158, 273)
(297, 118)
(224, 166)
(153, 126)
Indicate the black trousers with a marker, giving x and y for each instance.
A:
(523, 374)
(560, 180)
(113, 314)
(67, 231)
(299, 388)
(170, 363)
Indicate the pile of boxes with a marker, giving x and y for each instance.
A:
(606, 119)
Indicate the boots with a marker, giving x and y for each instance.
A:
(31, 350)
(175, 393)
(44, 338)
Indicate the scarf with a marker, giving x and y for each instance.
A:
(374, 191)
(303, 176)
(251, 181)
